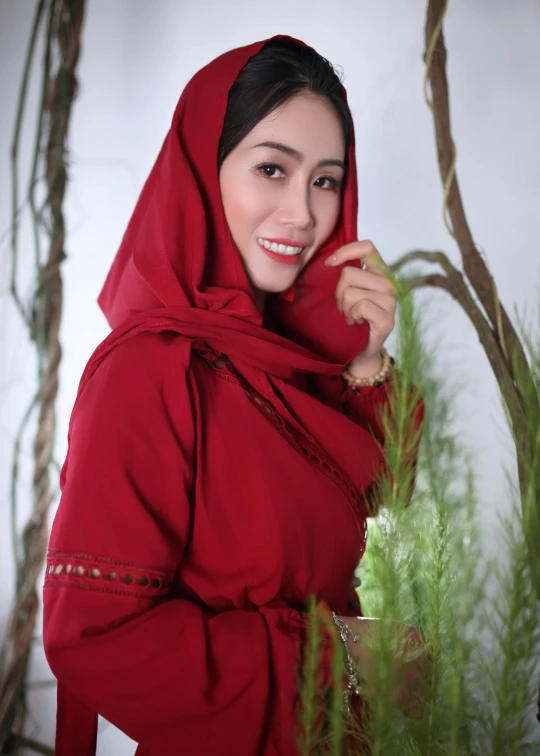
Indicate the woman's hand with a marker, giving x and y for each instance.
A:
(365, 294)
(410, 667)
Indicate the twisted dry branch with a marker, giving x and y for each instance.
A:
(473, 264)
(14, 154)
(504, 349)
(455, 284)
(59, 91)
(497, 334)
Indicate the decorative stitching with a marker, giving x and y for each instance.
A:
(105, 574)
(124, 563)
(223, 368)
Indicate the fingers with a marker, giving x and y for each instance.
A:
(381, 321)
(363, 279)
(365, 293)
(378, 309)
(365, 251)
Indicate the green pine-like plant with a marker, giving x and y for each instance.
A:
(425, 566)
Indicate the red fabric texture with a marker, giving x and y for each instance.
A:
(77, 725)
(207, 491)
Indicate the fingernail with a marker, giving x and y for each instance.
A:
(330, 260)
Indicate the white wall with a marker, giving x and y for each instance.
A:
(138, 55)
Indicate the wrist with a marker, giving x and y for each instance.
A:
(361, 372)
(364, 366)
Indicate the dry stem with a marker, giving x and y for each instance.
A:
(59, 90)
(495, 330)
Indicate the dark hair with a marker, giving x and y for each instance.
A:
(279, 71)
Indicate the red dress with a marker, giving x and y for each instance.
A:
(217, 475)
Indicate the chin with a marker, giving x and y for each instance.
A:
(268, 276)
(272, 284)
(274, 288)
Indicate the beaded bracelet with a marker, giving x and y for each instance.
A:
(353, 684)
(375, 380)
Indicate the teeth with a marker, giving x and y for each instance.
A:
(281, 249)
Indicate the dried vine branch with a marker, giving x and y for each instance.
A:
(43, 317)
(454, 283)
(14, 154)
(473, 264)
(497, 334)
(503, 347)
(15, 742)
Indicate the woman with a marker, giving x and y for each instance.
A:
(220, 467)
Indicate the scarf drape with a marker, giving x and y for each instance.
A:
(177, 268)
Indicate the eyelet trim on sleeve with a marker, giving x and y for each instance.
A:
(108, 575)
(222, 367)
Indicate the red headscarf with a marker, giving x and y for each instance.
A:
(178, 261)
(178, 269)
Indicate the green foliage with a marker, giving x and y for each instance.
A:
(424, 566)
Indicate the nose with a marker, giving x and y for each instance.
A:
(296, 210)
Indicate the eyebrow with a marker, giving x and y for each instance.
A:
(298, 155)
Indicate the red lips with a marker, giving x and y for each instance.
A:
(284, 259)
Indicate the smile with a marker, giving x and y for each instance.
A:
(281, 252)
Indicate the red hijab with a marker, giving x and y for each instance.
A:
(178, 269)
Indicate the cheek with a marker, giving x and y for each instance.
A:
(327, 217)
(328, 214)
(333, 211)
(245, 207)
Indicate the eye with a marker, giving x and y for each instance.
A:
(268, 170)
(333, 184)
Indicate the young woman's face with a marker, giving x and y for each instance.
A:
(280, 188)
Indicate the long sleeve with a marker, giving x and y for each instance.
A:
(365, 406)
(169, 674)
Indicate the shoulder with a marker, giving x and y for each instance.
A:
(135, 371)
(134, 396)
(148, 352)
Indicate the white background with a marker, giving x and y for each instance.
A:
(137, 56)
